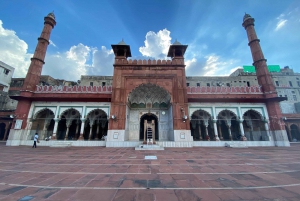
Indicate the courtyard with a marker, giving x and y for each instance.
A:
(98, 173)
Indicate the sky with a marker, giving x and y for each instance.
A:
(80, 43)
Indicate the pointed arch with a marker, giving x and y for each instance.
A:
(257, 112)
(40, 111)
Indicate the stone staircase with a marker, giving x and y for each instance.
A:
(62, 144)
(238, 144)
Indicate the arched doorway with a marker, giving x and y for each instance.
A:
(43, 123)
(69, 125)
(2, 130)
(149, 99)
(96, 125)
(295, 133)
(202, 126)
(148, 117)
(228, 126)
(254, 126)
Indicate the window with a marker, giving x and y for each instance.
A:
(248, 84)
(286, 97)
(228, 84)
(298, 83)
(293, 92)
(280, 95)
(277, 83)
(297, 78)
(294, 97)
(6, 71)
(91, 83)
(198, 84)
(187, 84)
(103, 84)
(208, 84)
(291, 84)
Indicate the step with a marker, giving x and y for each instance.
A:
(236, 144)
(149, 147)
(62, 144)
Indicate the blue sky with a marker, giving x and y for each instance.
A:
(81, 41)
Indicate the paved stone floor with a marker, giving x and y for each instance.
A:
(97, 173)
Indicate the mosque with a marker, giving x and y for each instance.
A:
(148, 102)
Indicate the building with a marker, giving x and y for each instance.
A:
(148, 101)
(7, 105)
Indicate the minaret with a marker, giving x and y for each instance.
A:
(264, 79)
(37, 61)
(34, 72)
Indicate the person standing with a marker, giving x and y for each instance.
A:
(35, 139)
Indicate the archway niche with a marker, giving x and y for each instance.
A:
(295, 133)
(2, 130)
(43, 124)
(96, 125)
(202, 126)
(254, 126)
(149, 102)
(228, 126)
(69, 125)
(149, 118)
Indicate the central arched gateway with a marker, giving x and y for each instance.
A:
(149, 109)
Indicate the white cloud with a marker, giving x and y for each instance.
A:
(156, 44)
(51, 43)
(102, 62)
(280, 24)
(13, 51)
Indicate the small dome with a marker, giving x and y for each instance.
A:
(177, 43)
(246, 16)
(51, 15)
(122, 42)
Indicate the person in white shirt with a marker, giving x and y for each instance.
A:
(35, 139)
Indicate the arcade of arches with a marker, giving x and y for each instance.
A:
(69, 125)
(228, 126)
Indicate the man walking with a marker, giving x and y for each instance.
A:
(35, 139)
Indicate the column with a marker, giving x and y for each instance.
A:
(216, 130)
(81, 129)
(6, 131)
(220, 130)
(200, 131)
(55, 129)
(289, 132)
(97, 132)
(77, 129)
(206, 133)
(145, 125)
(91, 130)
(67, 133)
(153, 131)
(243, 138)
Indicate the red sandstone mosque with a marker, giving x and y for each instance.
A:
(148, 102)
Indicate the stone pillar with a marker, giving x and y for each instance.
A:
(81, 129)
(77, 130)
(153, 131)
(243, 138)
(229, 128)
(145, 127)
(216, 130)
(97, 131)
(67, 133)
(6, 131)
(91, 130)
(289, 132)
(55, 129)
(200, 131)
(220, 130)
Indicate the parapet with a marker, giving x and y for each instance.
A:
(149, 62)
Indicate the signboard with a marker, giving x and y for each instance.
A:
(271, 68)
(18, 124)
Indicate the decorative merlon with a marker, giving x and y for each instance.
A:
(73, 89)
